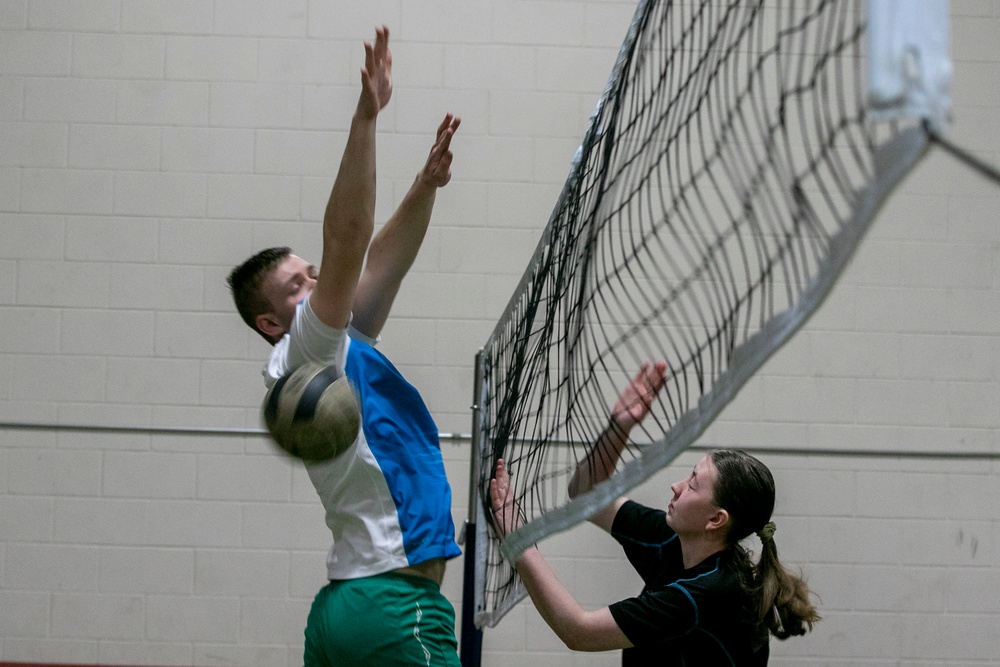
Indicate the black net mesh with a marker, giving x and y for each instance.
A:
(725, 178)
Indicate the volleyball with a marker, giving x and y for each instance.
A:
(312, 412)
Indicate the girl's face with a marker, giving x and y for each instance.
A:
(693, 505)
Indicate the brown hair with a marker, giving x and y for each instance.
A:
(744, 487)
(245, 280)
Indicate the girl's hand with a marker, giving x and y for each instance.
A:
(506, 513)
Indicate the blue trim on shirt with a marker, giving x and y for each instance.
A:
(403, 437)
(697, 628)
(678, 585)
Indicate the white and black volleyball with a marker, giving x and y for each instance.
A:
(312, 413)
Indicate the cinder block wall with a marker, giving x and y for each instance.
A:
(146, 146)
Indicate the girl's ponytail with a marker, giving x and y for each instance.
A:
(782, 598)
(744, 487)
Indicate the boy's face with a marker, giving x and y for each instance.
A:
(286, 286)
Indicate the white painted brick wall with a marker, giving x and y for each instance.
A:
(110, 239)
(250, 105)
(131, 570)
(101, 15)
(200, 619)
(67, 191)
(147, 146)
(242, 573)
(24, 614)
(166, 17)
(54, 568)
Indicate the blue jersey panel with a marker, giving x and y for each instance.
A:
(403, 438)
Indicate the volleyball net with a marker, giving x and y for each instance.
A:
(732, 166)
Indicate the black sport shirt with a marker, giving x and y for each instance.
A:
(696, 617)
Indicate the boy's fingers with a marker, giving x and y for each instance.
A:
(381, 41)
(445, 143)
(444, 124)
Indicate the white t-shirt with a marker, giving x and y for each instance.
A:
(309, 339)
(387, 501)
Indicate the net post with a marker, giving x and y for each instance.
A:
(471, 645)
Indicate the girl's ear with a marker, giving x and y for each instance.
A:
(718, 521)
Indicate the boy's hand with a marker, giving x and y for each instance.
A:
(376, 75)
(437, 171)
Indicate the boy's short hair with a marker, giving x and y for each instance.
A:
(245, 280)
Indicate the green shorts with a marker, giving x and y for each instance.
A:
(388, 619)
